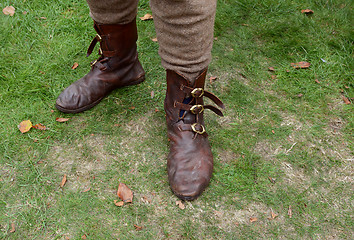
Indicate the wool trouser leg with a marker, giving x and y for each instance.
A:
(184, 31)
(113, 11)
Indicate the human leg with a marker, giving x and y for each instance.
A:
(185, 34)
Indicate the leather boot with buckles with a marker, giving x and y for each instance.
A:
(190, 161)
(117, 66)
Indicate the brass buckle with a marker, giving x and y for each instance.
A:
(195, 130)
(194, 107)
(197, 89)
(93, 63)
(99, 37)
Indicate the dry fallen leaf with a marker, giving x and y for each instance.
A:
(211, 79)
(44, 18)
(146, 199)
(253, 219)
(154, 39)
(146, 17)
(307, 11)
(273, 215)
(290, 212)
(272, 180)
(62, 119)
(118, 204)
(75, 65)
(316, 80)
(274, 77)
(152, 94)
(9, 10)
(301, 65)
(25, 126)
(138, 228)
(63, 181)
(180, 204)
(83, 237)
(272, 69)
(13, 228)
(218, 213)
(40, 126)
(346, 100)
(125, 193)
(300, 95)
(86, 190)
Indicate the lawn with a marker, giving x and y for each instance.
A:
(283, 152)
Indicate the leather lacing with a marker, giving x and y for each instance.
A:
(196, 107)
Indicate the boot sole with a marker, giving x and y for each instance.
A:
(82, 109)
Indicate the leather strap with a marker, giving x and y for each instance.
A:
(187, 107)
(215, 99)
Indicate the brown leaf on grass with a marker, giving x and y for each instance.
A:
(146, 199)
(346, 100)
(62, 119)
(75, 65)
(307, 11)
(272, 180)
(125, 193)
(9, 10)
(211, 79)
(272, 69)
(300, 95)
(86, 190)
(138, 228)
(147, 17)
(301, 65)
(13, 228)
(118, 204)
(40, 126)
(290, 212)
(273, 77)
(180, 204)
(316, 80)
(154, 40)
(272, 214)
(25, 126)
(83, 237)
(152, 94)
(253, 219)
(63, 181)
(218, 213)
(44, 18)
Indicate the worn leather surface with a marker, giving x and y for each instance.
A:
(190, 161)
(118, 66)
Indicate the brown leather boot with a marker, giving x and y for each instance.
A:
(118, 66)
(190, 161)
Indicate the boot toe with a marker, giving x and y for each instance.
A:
(188, 190)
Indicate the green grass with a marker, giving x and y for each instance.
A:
(304, 143)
